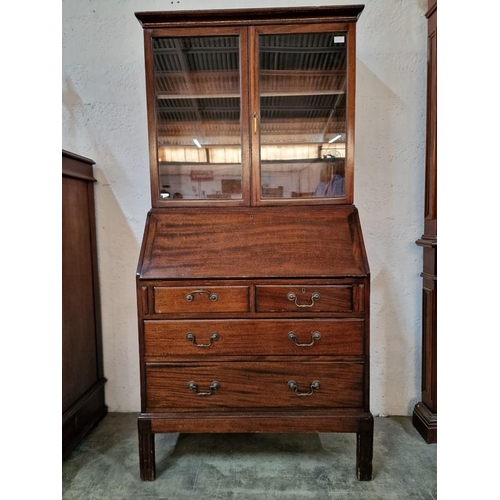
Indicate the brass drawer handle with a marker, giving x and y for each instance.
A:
(293, 298)
(315, 336)
(190, 336)
(314, 386)
(212, 296)
(213, 387)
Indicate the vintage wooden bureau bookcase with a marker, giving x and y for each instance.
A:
(253, 286)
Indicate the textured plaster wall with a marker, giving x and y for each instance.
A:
(104, 118)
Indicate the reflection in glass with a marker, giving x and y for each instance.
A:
(302, 84)
(198, 117)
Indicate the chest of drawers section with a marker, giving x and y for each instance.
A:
(253, 347)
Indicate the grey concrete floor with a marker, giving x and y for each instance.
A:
(250, 466)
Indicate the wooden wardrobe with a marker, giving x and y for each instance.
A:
(82, 370)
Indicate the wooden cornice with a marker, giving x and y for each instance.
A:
(168, 19)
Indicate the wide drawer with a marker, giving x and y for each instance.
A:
(253, 337)
(209, 386)
(307, 298)
(214, 299)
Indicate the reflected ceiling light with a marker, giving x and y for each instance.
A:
(197, 143)
(335, 138)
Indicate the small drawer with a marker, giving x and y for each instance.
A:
(306, 298)
(213, 299)
(219, 386)
(330, 337)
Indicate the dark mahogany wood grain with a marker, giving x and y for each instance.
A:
(235, 299)
(273, 15)
(254, 386)
(82, 367)
(332, 298)
(258, 337)
(79, 325)
(261, 242)
(146, 297)
(331, 420)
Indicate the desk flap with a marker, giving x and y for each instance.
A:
(270, 242)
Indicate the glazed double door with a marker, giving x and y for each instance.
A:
(252, 115)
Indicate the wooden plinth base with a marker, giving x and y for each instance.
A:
(425, 422)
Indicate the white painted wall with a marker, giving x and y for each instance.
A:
(104, 118)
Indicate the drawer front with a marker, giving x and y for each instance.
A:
(253, 337)
(218, 386)
(305, 299)
(216, 299)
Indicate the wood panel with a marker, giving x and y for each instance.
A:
(196, 300)
(269, 242)
(334, 13)
(331, 420)
(82, 370)
(78, 323)
(304, 298)
(253, 385)
(258, 337)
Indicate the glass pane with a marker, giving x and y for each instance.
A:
(302, 86)
(198, 117)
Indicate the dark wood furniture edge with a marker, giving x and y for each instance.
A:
(361, 242)
(364, 450)
(147, 459)
(427, 276)
(432, 9)
(77, 167)
(69, 154)
(336, 13)
(89, 394)
(424, 241)
(231, 422)
(90, 404)
(424, 419)
(138, 272)
(96, 281)
(367, 385)
(425, 422)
